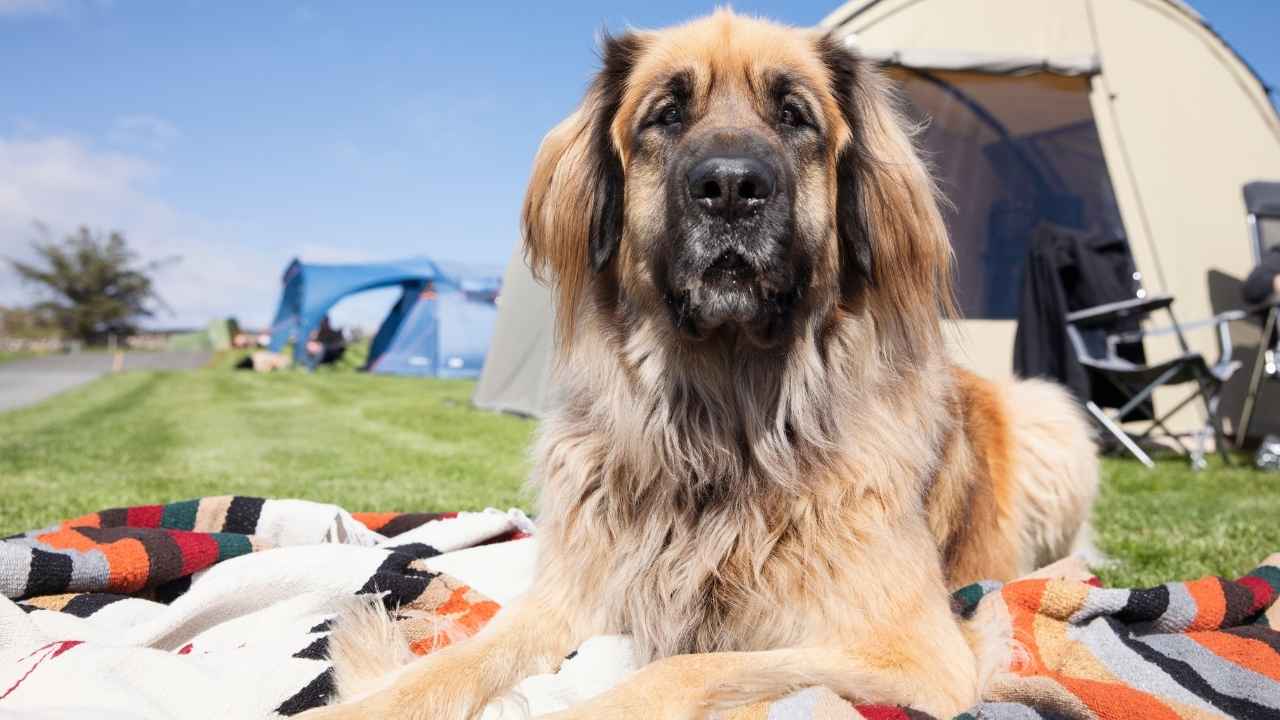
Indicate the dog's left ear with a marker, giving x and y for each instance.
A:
(573, 210)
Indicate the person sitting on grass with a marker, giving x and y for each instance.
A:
(326, 343)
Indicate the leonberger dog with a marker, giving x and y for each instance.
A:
(762, 463)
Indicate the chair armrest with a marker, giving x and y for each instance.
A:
(1220, 322)
(1105, 315)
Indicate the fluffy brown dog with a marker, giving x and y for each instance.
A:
(763, 465)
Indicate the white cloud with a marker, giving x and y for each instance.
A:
(47, 7)
(65, 182)
(146, 132)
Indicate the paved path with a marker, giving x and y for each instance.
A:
(30, 380)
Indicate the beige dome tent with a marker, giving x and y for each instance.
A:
(1151, 122)
(1138, 119)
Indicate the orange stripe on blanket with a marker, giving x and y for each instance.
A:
(1022, 598)
(461, 613)
(127, 562)
(90, 520)
(1026, 599)
(474, 615)
(375, 521)
(1250, 654)
(1115, 700)
(1211, 604)
(68, 539)
(128, 565)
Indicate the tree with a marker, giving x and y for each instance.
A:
(96, 285)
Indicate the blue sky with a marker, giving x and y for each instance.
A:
(239, 134)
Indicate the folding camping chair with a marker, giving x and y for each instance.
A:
(1262, 203)
(1096, 334)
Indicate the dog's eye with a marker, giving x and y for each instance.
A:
(791, 116)
(670, 116)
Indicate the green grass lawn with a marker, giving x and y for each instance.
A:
(1172, 523)
(383, 443)
(362, 441)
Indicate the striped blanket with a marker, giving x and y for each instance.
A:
(1200, 649)
(220, 607)
(153, 550)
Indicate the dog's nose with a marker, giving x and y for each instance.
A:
(730, 187)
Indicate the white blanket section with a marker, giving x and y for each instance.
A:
(225, 648)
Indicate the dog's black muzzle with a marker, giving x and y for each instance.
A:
(728, 257)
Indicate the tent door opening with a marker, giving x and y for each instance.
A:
(1009, 153)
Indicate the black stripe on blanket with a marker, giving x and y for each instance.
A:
(50, 573)
(315, 694)
(114, 517)
(86, 604)
(172, 590)
(1145, 605)
(401, 583)
(1186, 676)
(242, 515)
(419, 551)
(317, 650)
(406, 522)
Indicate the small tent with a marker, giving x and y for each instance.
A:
(440, 326)
(517, 372)
(1129, 117)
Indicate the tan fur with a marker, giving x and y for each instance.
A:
(1017, 483)
(762, 521)
(970, 504)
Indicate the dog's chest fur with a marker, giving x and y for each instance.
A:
(698, 590)
(696, 540)
(742, 572)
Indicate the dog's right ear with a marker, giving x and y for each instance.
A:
(573, 209)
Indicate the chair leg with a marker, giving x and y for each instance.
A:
(1196, 457)
(1209, 391)
(1119, 434)
(1264, 361)
(1215, 420)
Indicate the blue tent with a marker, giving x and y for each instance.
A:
(440, 326)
